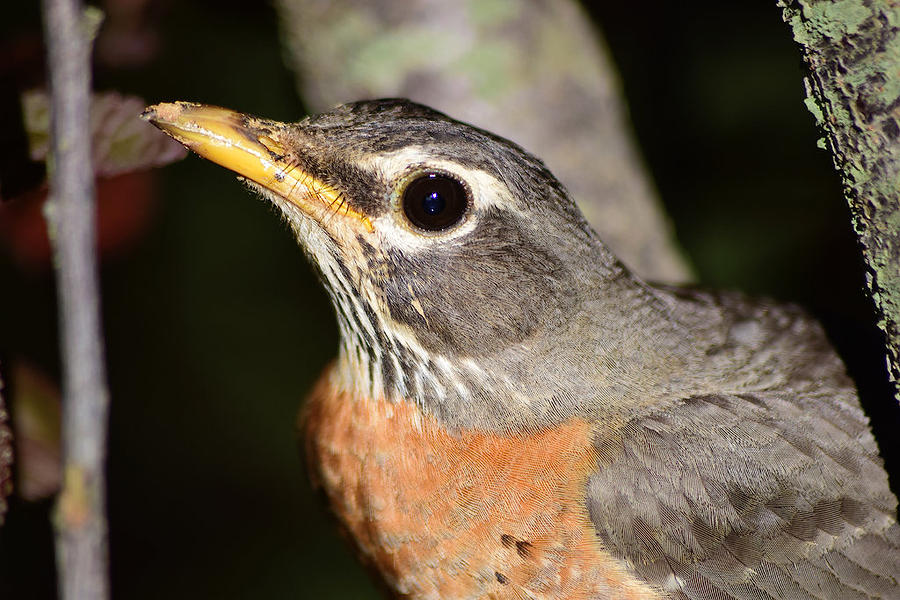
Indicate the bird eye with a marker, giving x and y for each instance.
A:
(434, 201)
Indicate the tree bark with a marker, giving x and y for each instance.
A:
(852, 48)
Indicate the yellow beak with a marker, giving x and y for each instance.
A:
(251, 148)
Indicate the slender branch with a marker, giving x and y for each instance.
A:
(80, 519)
(852, 48)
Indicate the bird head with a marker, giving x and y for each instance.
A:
(455, 261)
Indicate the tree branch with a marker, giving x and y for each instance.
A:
(852, 48)
(80, 520)
(535, 72)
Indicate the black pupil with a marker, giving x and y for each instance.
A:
(434, 201)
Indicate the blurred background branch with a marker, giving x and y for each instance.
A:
(534, 72)
(6, 456)
(852, 49)
(82, 555)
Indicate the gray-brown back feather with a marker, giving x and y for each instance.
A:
(776, 492)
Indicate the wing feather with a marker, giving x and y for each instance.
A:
(751, 496)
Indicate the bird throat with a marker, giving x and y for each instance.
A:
(384, 360)
(379, 357)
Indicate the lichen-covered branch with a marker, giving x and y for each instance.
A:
(852, 48)
(534, 72)
(82, 554)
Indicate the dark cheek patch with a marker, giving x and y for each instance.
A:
(492, 289)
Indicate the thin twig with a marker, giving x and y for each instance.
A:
(82, 556)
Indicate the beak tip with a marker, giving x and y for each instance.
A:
(149, 114)
(166, 112)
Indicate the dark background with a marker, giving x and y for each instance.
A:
(216, 326)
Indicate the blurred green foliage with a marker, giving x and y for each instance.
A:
(216, 326)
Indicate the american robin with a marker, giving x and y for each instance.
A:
(513, 414)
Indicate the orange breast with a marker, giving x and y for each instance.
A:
(466, 515)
